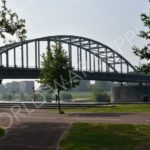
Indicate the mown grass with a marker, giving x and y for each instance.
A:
(106, 137)
(124, 108)
(2, 132)
(81, 94)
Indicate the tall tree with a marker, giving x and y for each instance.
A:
(144, 53)
(10, 24)
(57, 71)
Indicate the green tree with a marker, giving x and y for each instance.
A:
(10, 24)
(144, 53)
(57, 71)
(99, 92)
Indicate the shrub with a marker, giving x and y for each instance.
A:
(101, 97)
(2, 132)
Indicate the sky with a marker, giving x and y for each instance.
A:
(113, 22)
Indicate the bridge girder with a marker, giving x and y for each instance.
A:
(33, 73)
(96, 54)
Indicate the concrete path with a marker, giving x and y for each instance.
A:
(33, 136)
(41, 129)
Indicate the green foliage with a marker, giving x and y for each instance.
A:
(101, 96)
(124, 108)
(66, 96)
(2, 132)
(56, 69)
(144, 53)
(99, 90)
(83, 136)
(56, 72)
(11, 24)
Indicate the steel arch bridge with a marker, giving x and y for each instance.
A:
(92, 60)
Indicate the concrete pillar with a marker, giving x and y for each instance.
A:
(130, 94)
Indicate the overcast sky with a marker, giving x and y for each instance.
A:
(112, 22)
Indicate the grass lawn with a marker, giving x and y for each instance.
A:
(126, 108)
(82, 96)
(106, 137)
(2, 132)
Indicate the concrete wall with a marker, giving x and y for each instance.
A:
(130, 94)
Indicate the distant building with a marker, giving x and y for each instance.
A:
(26, 86)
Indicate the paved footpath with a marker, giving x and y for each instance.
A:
(41, 129)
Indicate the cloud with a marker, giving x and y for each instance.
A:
(27, 4)
(69, 4)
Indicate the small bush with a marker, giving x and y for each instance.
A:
(66, 96)
(101, 97)
(61, 112)
(2, 132)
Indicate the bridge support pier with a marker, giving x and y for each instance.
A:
(127, 94)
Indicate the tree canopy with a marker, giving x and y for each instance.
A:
(11, 26)
(144, 53)
(57, 71)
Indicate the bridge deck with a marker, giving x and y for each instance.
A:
(33, 73)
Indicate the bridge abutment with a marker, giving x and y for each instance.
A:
(123, 94)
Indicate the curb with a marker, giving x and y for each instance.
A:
(62, 136)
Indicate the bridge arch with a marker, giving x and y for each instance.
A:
(91, 55)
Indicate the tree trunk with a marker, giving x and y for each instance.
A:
(59, 105)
